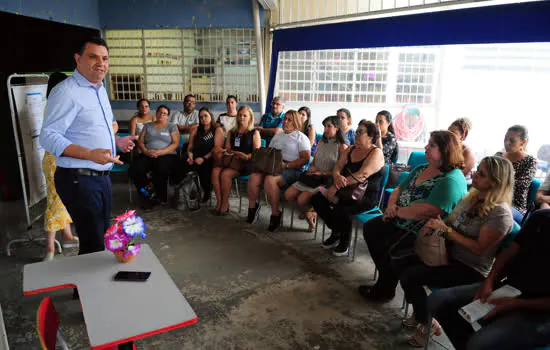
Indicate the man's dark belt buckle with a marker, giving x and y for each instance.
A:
(91, 172)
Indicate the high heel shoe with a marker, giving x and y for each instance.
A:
(419, 339)
(49, 256)
(409, 323)
(71, 243)
(311, 218)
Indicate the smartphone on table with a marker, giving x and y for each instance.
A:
(132, 276)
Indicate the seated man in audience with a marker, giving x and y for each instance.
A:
(514, 323)
(542, 199)
(186, 120)
(272, 123)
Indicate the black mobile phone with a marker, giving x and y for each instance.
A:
(132, 276)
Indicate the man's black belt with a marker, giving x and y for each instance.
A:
(85, 171)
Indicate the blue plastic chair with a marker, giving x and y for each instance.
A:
(402, 177)
(237, 180)
(180, 147)
(533, 189)
(370, 214)
(417, 158)
(123, 168)
(244, 178)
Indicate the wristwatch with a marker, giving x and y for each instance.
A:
(448, 230)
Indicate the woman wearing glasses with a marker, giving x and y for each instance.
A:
(157, 142)
(363, 161)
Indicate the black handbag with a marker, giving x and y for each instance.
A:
(395, 171)
(353, 192)
(315, 181)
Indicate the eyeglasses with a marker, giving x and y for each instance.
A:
(360, 132)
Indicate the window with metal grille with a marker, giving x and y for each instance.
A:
(415, 77)
(166, 64)
(358, 75)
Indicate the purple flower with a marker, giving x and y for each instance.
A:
(132, 250)
(116, 242)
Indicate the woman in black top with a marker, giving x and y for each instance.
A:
(362, 161)
(240, 142)
(200, 151)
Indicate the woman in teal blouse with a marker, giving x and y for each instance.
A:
(429, 190)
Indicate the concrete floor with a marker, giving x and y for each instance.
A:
(250, 289)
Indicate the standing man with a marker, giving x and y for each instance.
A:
(78, 131)
(272, 123)
(188, 119)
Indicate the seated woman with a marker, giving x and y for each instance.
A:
(240, 142)
(461, 127)
(525, 168)
(328, 152)
(228, 120)
(141, 117)
(345, 116)
(295, 148)
(473, 230)
(308, 129)
(430, 190)
(363, 161)
(514, 323)
(200, 151)
(157, 142)
(387, 141)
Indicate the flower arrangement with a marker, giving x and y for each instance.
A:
(121, 237)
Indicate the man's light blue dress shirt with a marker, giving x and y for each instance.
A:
(78, 113)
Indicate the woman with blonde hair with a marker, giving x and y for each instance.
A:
(296, 149)
(239, 144)
(473, 230)
(461, 127)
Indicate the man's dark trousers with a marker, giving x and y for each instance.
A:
(88, 201)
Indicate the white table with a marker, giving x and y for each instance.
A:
(115, 312)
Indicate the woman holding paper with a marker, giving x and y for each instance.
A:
(473, 230)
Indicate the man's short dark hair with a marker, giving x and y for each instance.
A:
(93, 40)
(187, 96)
